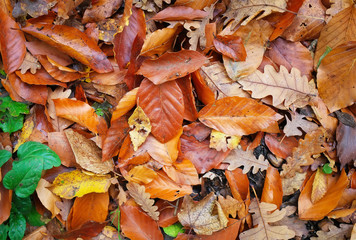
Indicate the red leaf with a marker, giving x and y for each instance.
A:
(272, 189)
(164, 106)
(199, 153)
(12, 43)
(73, 42)
(41, 77)
(231, 46)
(171, 66)
(123, 41)
(190, 111)
(281, 146)
(179, 13)
(136, 224)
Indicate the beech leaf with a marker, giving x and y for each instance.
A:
(141, 127)
(222, 142)
(179, 13)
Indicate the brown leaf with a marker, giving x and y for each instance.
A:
(100, 10)
(92, 206)
(272, 188)
(171, 66)
(112, 78)
(228, 116)
(164, 106)
(190, 111)
(307, 210)
(81, 113)
(194, 4)
(229, 205)
(281, 146)
(346, 144)
(337, 76)
(335, 232)
(47, 198)
(230, 46)
(142, 198)
(179, 13)
(88, 230)
(292, 126)
(73, 42)
(126, 103)
(183, 172)
(41, 77)
(293, 184)
(199, 216)
(135, 224)
(66, 8)
(87, 153)
(12, 41)
(29, 63)
(65, 206)
(6, 194)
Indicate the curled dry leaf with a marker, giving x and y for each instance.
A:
(247, 159)
(263, 217)
(179, 13)
(239, 116)
(190, 110)
(41, 77)
(199, 216)
(141, 127)
(87, 153)
(334, 232)
(126, 103)
(77, 183)
(171, 66)
(73, 42)
(292, 126)
(142, 198)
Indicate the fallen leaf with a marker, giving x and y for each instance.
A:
(171, 66)
(87, 153)
(281, 146)
(335, 232)
(179, 13)
(58, 142)
(100, 10)
(47, 198)
(126, 103)
(293, 184)
(222, 142)
(65, 206)
(182, 171)
(190, 110)
(41, 77)
(292, 126)
(228, 116)
(262, 217)
(26, 132)
(229, 205)
(345, 144)
(141, 127)
(142, 198)
(247, 159)
(194, 4)
(77, 183)
(29, 63)
(230, 46)
(141, 174)
(199, 216)
(272, 188)
(319, 187)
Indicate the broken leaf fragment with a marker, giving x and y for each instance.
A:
(77, 183)
(221, 141)
(141, 127)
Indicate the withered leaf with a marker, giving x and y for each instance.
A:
(292, 126)
(29, 63)
(141, 127)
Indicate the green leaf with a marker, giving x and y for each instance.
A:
(34, 218)
(25, 206)
(327, 50)
(9, 123)
(40, 152)
(14, 108)
(174, 229)
(26, 172)
(17, 225)
(4, 157)
(3, 231)
(327, 169)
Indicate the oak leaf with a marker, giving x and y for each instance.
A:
(292, 126)
(29, 63)
(239, 116)
(284, 87)
(222, 142)
(229, 205)
(334, 232)
(247, 159)
(262, 217)
(142, 198)
(77, 183)
(141, 127)
(199, 216)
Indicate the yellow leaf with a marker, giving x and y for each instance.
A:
(141, 174)
(77, 183)
(221, 141)
(26, 132)
(141, 127)
(320, 186)
(47, 198)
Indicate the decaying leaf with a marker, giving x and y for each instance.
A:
(142, 198)
(334, 232)
(77, 183)
(141, 127)
(262, 217)
(222, 142)
(229, 205)
(247, 159)
(292, 126)
(29, 63)
(291, 185)
(199, 216)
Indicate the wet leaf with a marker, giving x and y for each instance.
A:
(272, 188)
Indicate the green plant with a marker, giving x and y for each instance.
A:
(12, 114)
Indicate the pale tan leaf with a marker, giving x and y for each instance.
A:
(87, 153)
(247, 159)
(293, 184)
(141, 127)
(29, 63)
(334, 232)
(199, 217)
(292, 126)
(337, 6)
(142, 198)
(254, 36)
(47, 198)
(222, 142)
(58, 123)
(262, 217)
(284, 87)
(245, 10)
(229, 205)
(320, 186)
(65, 205)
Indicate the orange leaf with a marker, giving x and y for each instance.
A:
(230, 232)
(168, 212)
(41, 77)
(239, 116)
(58, 142)
(281, 146)
(196, 4)
(205, 94)
(179, 13)
(92, 206)
(128, 156)
(73, 42)
(126, 103)
(317, 211)
(136, 224)
(112, 78)
(190, 111)
(272, 189)
(171, 66)
(165, 188)
(183, 172)
(239, 184)
(80, 112)
(12, 42)
(231, 46)
(164, 106)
